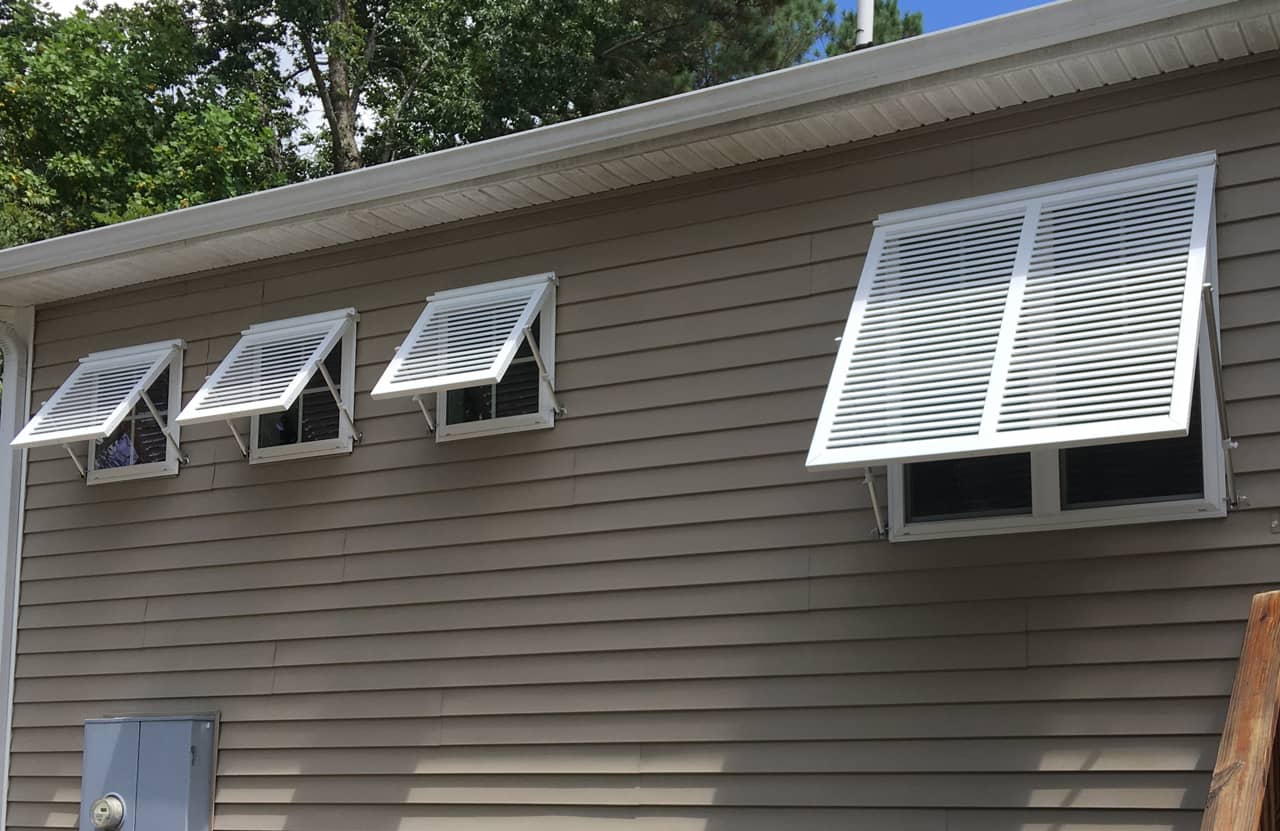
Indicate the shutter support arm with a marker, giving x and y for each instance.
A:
(244, 451)
(875, 503)
(76, 459)
(422, 405)
(164, 428)
(542, 370)
(337, 399)
(1215, 355)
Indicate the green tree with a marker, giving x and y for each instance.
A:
(402, 78)
(114, 113)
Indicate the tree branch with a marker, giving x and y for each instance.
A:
(389, 132)
(322, 90)
(636, 38)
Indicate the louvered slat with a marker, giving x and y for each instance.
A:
(1057, 315)
(98, 395)
(465, 337)
(268, 368)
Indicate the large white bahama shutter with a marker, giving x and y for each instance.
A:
(268, 368)
(98, 395)
(1051, 316)
(465, 337)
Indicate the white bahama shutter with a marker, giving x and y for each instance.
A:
(465, 337)
(98, 395)
(268, 368)
(1051, 316)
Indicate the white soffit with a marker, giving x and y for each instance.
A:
(268, 368)
(465, 337)
(100, 392)
(1051, 316)
(1040, 53)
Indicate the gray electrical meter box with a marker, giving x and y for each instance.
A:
(148, 774)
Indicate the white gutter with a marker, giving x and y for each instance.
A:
(759, 100)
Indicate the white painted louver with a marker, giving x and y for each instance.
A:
(465, 337)
(99, 394)
(268, 368)
(1059, 315)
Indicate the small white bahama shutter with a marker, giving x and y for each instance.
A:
(465, 337)
(1051, 316)
(268, 368)
(99, 394)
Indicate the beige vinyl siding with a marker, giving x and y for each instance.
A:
(652, 617)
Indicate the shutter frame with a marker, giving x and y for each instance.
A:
(1140, 226)
(132, 370)
(429, 361)
(300, 344)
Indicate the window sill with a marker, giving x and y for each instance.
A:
(1067, 520)
(305, 450)
(496, 426)
(151, 470)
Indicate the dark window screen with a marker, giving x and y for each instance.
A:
(313, 417)
(516, 394)
(1141, 471)
(961, 488)
(138, 440)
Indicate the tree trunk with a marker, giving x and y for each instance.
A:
(342, 94)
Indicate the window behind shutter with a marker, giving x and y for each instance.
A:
(268, 368)
(98, 395)
(465, 337)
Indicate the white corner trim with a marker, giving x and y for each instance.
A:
(15, 408)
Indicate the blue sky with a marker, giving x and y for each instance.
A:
(943, 14)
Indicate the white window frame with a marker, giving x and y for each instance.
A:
(345, 441)
(543, 419)
(1046, 511)
(172, 459)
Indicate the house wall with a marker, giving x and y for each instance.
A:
(653, 617)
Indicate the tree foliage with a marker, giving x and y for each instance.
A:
(114, 113)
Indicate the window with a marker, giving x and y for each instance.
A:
(1030, 359)
(279, 376)
(113, 414)
(469, 347)
(1070, 487)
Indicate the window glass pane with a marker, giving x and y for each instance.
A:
(138, 440)
(471, 404)
(276, 429)
(313, 417)
(320, 418)
(1142, 471)
(149, 440)
(517, 394)
(956, 488)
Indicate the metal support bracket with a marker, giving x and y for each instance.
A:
(244, 451)
(76, 459)
(1215, 358)
(542, 370)
(875, 503)
(164, 428)
(342, 408)
(422, 405)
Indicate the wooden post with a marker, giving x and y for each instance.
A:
(1242, 778)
